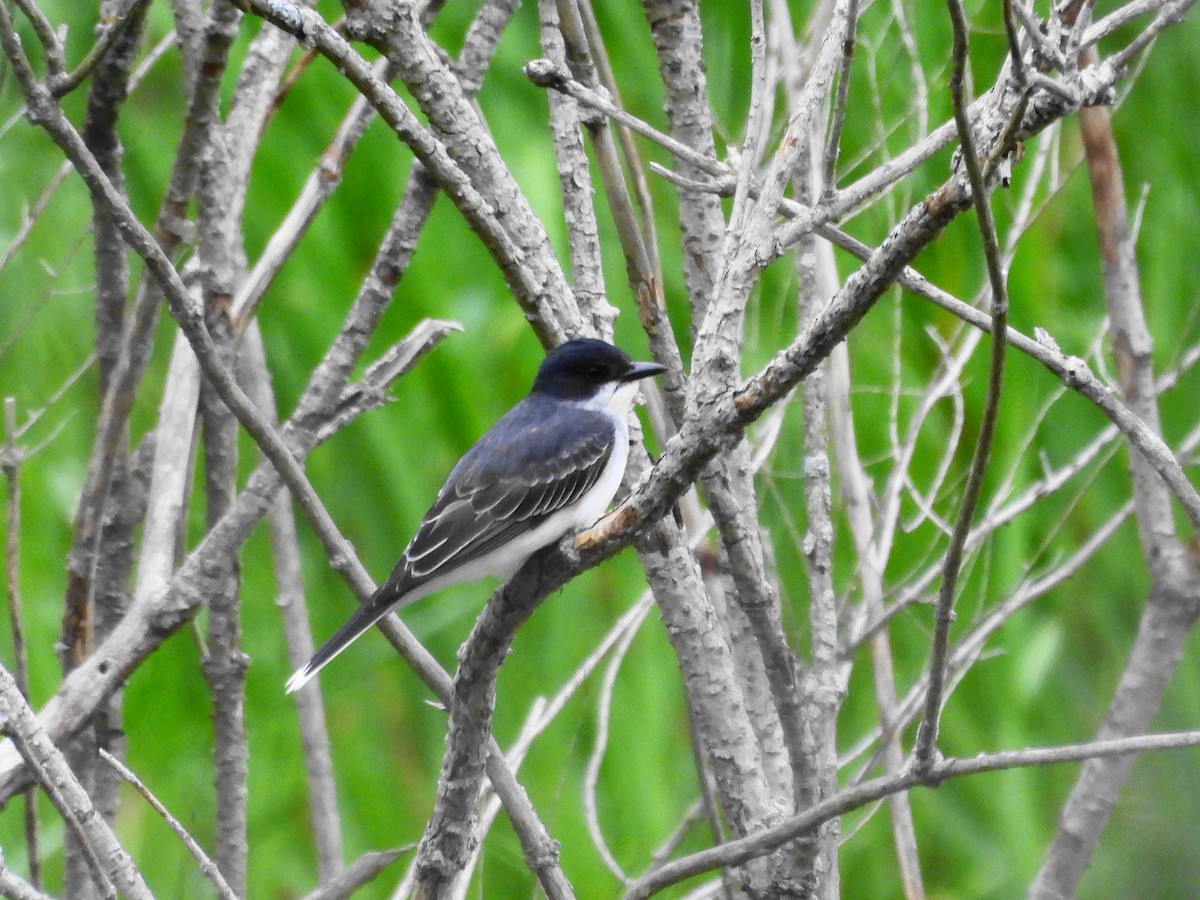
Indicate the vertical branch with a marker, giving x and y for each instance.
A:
(224, 663)
(833, 379)
(1173, 605)
(579, 213)
(170, 475)
(678, 36)
(224, 175)
(1133, 347)
(754, 138)
(750, 671)
(450, 835)
(636, 236)
(717, 702)
(109, 88)
(867, 531)
(189, 26)
(668, 573)
(254, 101)
(633, 163)
(824, 685)
(825, 681)
(673, 577)
(944, 612)
(729, 485)
(833, 140)
(679, 41)
(636, 206)
(127, 501)
(314, 736)
(105, 569)
(130, 364)
(827, 402)
(11, 458)
(747, 664)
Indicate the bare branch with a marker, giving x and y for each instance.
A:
(943, 616)
(112, 868)
(314, 736)
(14, 887)
(359, 873)
(539, 292)
(10, 461)
(168, 606)
(207, 867)
(737, 852)
(579, 214)
(1173, 597)
(110, 33)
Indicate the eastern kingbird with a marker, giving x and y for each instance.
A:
(552, 464)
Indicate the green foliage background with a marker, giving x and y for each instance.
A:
(1053, 668)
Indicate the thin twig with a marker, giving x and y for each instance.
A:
(1170, 14)
(837, 120)
(596, 757)
(737, 852)
(545, 73)
(357, 874)
(1052, 481)
(63, 83)
(46, 35)
(944, 613)
(825, 681)
(970, 646)
(30, 218)
(314, 734)
(207, 867)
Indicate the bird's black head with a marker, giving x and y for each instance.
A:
(578, 369)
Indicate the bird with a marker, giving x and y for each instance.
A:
(551, 465)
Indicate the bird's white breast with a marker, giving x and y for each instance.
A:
(616, 403)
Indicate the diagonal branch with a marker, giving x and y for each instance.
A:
(111, 866)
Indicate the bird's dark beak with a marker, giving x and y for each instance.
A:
(640, 370)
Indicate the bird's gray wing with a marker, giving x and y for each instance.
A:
(511, 481)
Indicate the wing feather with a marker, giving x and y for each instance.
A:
(516, 477)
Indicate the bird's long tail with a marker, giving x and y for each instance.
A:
(366, 616)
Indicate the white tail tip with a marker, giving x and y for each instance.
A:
(299, 679)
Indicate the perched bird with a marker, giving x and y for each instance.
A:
(551, 465)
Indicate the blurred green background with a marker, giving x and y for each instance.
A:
(1048, 676)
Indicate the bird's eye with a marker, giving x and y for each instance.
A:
(596, 373)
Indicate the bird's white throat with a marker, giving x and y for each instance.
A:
(615, 398)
